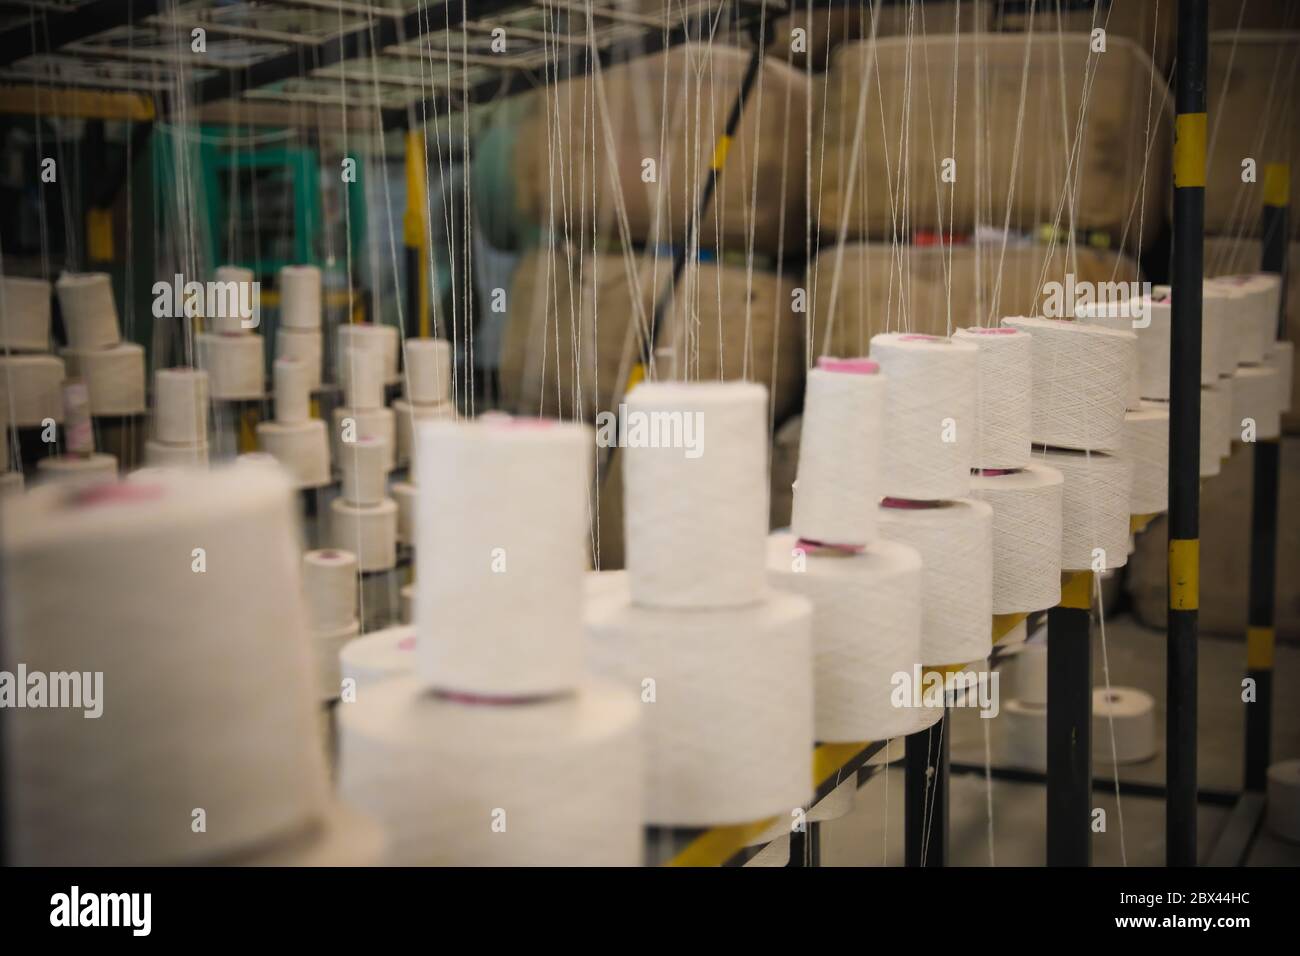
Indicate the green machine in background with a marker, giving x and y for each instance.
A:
(264, 207)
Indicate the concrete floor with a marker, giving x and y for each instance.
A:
(872, 834)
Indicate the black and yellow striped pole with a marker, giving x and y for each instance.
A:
(1185, 432)
(415, 238)
(1263, 515)
(1069, 724)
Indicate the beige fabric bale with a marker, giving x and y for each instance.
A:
(573, 330)
(825, 30)
(670, 107)
(1250, 84)
(872, 276)
(910, 100)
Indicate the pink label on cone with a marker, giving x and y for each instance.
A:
(116, 493)
(852, 366)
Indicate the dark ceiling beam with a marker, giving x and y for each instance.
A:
(49, 31)
(695, 28)
(352, 44)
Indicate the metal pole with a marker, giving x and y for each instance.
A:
(1069, 724)
(925, 796)
(1263, 516)
(1185, 432)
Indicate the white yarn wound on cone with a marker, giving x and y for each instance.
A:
(1222, 336)
(361, 373)
(729, 736)
(234, 364)
(1254, 318)
(1095, 508)
(377, 423)
(379, 340)
(1026, 536)
(1120, 316)
(1003, 410)
(1153, 344)
(837, 490)
(955, 541)
(1231, 429)
(1028, 673)
(406, 414)
(1126, 716)
(379, 655)
(866, 627)
(550, 783)
(428, 371)
(292, 391)
(1024, 735)
(1081, 376)
(1146, 446)
(695, 525)
(329, 578)
(76, 471)
(1255, 390)
(160, 455)
(114, 376)
(929, 414)
(88, 310)
(300, 298)
(236, 290)
(326, 647)
(301, 448)
(369, 531)
(24, 314)
(499, 593)
(222, 719)
(30, 390)
(405, 495)
(180, 406)
(304, 345)
(365, 479)
(1214, 414)
(1217, 328)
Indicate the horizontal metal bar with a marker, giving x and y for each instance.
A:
(526, 33)
(147, 56)
(495, 61)
(1130, 788)
(644, 44)
(351, 44)
(111, 83)
(183, 23)
(343, 6)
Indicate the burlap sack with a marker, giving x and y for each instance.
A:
(910, 101)
(670, 108)
(573, 330)
(885, 289)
